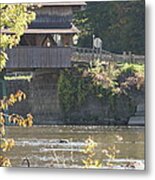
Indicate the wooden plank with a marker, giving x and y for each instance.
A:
(38, 57)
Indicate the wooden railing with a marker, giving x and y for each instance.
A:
(87, 55)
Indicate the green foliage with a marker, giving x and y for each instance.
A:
(89, 150)
(131, 77)
(3, 59)
(111, 153)
(81, 91)
(103, 76)
(101, 80)
(120, 24)
(8, 144)
(72, 90)
(15, 18)
(130, 69)
(66, 91)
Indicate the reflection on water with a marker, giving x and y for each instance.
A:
(62, 146)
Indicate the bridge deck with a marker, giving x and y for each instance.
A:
(87, 55)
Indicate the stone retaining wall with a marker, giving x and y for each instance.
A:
(44, 97)
(43, 102)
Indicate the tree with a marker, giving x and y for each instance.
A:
(15, 18)
(120, 24)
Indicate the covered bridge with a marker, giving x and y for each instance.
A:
(44, 49)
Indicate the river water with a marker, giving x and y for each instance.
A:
(62, 146)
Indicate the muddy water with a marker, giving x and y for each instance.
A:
(62, 146)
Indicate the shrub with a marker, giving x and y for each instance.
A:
(101, 80)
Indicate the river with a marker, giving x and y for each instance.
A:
(62, 146)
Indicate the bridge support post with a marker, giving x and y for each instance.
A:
(130, 57)
(124, 56)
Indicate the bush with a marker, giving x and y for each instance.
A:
(101, 80)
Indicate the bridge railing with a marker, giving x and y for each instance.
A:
(88, 54)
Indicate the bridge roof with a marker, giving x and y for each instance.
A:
(72, 30)
(67, 3)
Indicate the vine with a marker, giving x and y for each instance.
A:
(72, 90)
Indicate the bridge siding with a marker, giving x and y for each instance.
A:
(39, 57)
